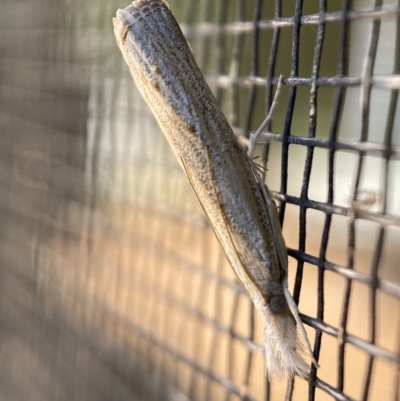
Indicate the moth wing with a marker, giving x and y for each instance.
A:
(273, 218)
(228, 244)
(220, 240)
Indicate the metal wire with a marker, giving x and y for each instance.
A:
(112, 286)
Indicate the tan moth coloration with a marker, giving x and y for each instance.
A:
(235, 200)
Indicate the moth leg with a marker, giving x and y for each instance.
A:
(295, 312)
(255, 135)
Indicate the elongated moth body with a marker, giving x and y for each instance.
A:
(225, 180)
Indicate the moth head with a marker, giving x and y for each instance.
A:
(277, 304)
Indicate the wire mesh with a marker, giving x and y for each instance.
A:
(112, 283)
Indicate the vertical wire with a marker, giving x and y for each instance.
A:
(249, 351)
(389, 131)
(249, 116)
(342, 72)
(294, 69)
(389, 134)
(218, 309)
(291, 102)
(273, 55)
(234, 70)
(254, 68)
(221, 46)
(288, 123)
(231, 344)
(364, 129)
(306, 184)
(366, 88)
(206, 55)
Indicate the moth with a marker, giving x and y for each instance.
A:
(236, 201)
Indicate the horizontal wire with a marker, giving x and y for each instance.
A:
(371, 349)
(387, 81)
(388, 287)
(209, 28)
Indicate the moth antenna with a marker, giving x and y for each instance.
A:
(253, 137)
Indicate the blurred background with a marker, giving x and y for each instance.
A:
(112, 285)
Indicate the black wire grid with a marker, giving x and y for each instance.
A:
(112, 285)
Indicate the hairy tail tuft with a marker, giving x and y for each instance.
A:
(284, 351)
